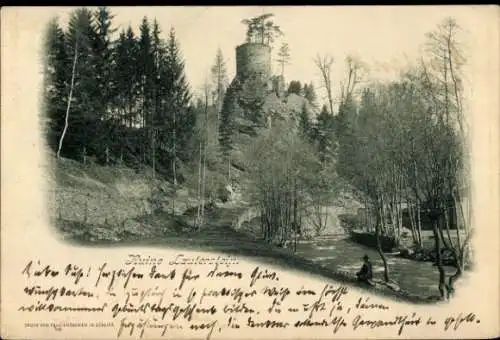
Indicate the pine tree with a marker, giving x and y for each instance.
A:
(323, 134)
(145, 70)
(283, 57)
(126, 77)
(304, 123)
(230, 109)
(103, 57)
(310, 94)
(84, 113)
(103, 64)
(159, 60)
(346, 117)
(295, 87)
(219, 80)
(177, 101)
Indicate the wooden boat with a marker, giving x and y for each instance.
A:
(369, 240)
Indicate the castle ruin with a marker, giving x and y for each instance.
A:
(255, 94)
(253, 59)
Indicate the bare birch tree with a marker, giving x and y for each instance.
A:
(220, 82)
(356, 71)
(70, 97)
(324, 65)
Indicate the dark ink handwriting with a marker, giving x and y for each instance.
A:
(223, 274)
(177, 311)
(365, 305)
(75, 271)
(266, 324)
(188, 276)
(51, 293)
(142, 325)
(154, 274)
(43, 307)
(458, 320)
(258, 274)
(46, 271)
(399, 321)
(236, 293)
(113, 275)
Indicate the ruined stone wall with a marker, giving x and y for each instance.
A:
(253, 59)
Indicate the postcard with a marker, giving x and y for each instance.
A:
(265, 172)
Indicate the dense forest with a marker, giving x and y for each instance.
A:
(400, 146)
(117, 100)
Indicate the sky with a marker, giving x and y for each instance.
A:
(385, 38)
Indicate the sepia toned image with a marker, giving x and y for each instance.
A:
(289, 172)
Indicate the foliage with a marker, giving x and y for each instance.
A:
(310, 94)
(405, 145)
(261, 29)
(131, 99)
(295, 87)
(283, 57)
(283, 170)
(323, 135)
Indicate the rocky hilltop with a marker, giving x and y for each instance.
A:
(256, 99)
(255, 94)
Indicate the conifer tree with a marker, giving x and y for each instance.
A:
(84, 112)
(304, 123)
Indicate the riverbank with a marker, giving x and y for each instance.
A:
(332, 257)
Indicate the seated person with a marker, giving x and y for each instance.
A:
(365, 274)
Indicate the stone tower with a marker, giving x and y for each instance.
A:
(253, 59)
(255, 93)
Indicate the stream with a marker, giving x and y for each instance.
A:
(338, 253)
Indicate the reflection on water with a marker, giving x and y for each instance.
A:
(338, 253)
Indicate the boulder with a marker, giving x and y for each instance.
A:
(407, 253)
(98, 233)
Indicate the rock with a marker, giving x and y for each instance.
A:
(382, 284)
(406, 253)
(229, 195)
(133, 227)
(97, 233)
(393, 286)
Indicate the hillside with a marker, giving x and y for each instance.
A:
(107, 201)
(117, 202)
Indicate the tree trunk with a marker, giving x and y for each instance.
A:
(439, 262)
(70, 97)
(379, 245)
(198, 213)
(174, 157)
(450, 288)
(457, 208)
(205, 139)
(153, 153)
(413, 223)
(107, 155)
(84, 155)
(229, 168)
(174, 173)
(419, 225)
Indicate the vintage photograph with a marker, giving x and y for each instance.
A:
(313, 145)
